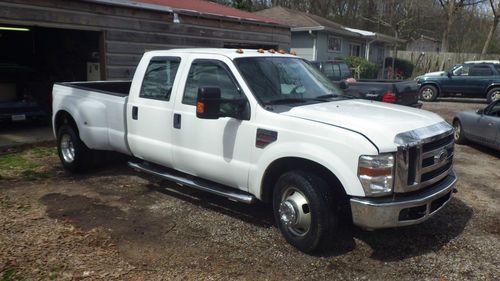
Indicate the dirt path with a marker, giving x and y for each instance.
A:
(112, 224)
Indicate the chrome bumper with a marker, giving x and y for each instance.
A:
(401, 210)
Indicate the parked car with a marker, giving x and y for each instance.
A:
(481, 126)
(472, 79)
(21, 100)
(251, 125)
(390, 91)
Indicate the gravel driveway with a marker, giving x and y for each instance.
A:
(114, 224)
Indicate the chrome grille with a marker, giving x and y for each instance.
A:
(424, 162)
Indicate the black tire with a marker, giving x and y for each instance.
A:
(81, 157)
(493, 95)
(428, 93)
(459, 136)
(320, 206)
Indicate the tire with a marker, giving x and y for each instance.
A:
(459, 136)
(428, 93)
(75, 156)
(309, 198)
(493, 95)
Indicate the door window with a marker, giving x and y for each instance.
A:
(493, 110)
(481, 70)
(159, 78)
(212, 73)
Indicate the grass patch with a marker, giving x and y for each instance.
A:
(11, 275)
(30, 165)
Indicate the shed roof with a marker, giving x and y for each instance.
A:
(300, 21)
(199, 7)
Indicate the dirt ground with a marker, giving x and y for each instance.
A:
(114, 224)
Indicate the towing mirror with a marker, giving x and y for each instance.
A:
(208, 103)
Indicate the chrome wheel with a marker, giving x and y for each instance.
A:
(67, 148)
(294, 212)
(458, 130)
(427, 94)
(495, 96)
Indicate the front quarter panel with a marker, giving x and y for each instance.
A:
(335, 148)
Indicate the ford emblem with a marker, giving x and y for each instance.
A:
(441, 156)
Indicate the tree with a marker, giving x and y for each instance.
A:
(495, 8)
(451, 8)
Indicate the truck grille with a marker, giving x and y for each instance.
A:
(423, 163)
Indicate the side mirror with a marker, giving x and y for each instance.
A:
(208, 103)
(343, 85)
(449, 74)
(480, 111)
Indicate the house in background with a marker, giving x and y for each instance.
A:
(316, 38)
(423, 44)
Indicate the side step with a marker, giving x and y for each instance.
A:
(228, 192)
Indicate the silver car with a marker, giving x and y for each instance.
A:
(481, 126)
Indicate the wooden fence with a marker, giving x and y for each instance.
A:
(433, 61)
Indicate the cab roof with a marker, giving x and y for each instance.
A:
(230, 53)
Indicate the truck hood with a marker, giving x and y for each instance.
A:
(379, 122)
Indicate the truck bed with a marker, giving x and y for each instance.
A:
(116, 88)
(406, 91)
(99, 109)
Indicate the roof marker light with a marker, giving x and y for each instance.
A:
(260, 51)
(293, 53)
(239, 51)
(272, 51)
(282, 51)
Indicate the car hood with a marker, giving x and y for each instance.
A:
(437, 73)
(379, 122)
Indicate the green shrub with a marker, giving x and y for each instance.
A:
(367, 70)
(403, 67)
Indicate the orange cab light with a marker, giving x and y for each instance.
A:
(293, 53)
(281, 51)
(260, 51)
(239, 51)
(200, 107)
(272, 51)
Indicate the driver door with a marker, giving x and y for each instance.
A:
(488, 125)
(217, 150)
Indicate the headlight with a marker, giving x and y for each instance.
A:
(375, 173)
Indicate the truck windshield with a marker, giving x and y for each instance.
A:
(282, 80)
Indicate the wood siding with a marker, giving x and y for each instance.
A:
(128, 32)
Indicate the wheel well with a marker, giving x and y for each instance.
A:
(64, 118)
(490, 88)
(283, 165)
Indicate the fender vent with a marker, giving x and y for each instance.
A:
(265, 137)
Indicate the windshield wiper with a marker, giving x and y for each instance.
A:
(287, 100)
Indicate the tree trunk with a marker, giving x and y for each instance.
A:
(450, 12)
(493, 28)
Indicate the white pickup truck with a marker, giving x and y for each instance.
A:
(262, 125)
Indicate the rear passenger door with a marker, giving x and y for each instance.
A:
(149, 116)
(217, 150)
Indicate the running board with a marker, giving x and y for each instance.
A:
(179, 178)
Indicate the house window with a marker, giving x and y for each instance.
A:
(355, 50)
(334, 44)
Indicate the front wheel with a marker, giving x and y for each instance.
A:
(304, 210)
(459, 134)
(428, 93)
(75, 156)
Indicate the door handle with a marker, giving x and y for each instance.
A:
(177, 121)
(135, 112)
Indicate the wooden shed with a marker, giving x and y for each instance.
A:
(104, 39)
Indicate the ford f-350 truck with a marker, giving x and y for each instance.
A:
(261, 125)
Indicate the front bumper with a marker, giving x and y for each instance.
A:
(401, 209)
